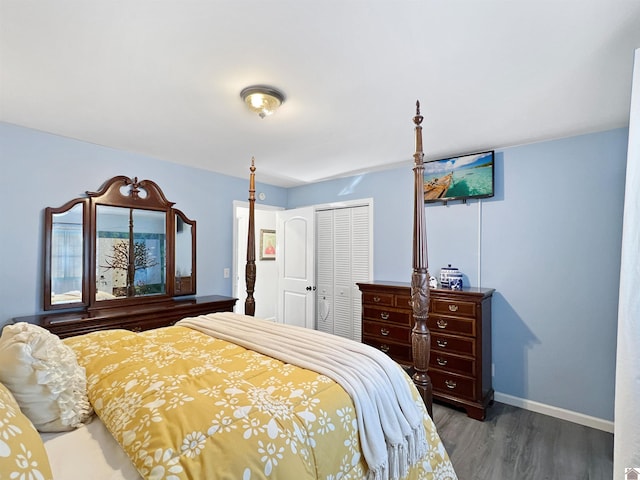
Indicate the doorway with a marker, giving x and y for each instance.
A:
(267, 274)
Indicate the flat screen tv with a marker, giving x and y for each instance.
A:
(459, 178)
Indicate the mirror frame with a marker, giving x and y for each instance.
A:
(119, 191)
(178, 287)
(49, 213)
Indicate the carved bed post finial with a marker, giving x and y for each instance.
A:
(250, 269)
(420, 335)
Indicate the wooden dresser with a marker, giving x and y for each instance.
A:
(460, 326)
(135, 317)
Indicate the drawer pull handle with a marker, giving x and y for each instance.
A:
(384, 332)
(376, 299)
(442, 323)
(384, 348)
(441, 361)
(453, 308)
(384, 315)
(441, 343)
(450, 384)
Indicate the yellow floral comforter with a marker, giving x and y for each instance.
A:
(185, 405)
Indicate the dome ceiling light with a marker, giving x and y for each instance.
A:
(262, 99)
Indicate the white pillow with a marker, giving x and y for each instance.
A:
(44, 376)
(22, 452)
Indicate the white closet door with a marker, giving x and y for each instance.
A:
(343, 254)
(343, 317)
(360, 262)
(324, 270)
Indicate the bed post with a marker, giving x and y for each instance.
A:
(250, 269)
(420, 336)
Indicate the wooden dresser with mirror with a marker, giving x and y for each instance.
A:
(122, 255)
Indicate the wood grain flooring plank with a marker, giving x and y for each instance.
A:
(517, 444)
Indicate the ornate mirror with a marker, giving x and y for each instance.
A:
(66, 254)
(131, 246)
(123, 244)
(185, 257)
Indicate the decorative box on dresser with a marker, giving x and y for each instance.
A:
(460, 326)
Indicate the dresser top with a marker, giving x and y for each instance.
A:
(175, 304)
(384, 283)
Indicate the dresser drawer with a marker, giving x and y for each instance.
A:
(452, 384)
(400, 353)
(386, 315)
(377, 298)
(404, 301)
(452, 363)
(382, 331)
(453, 307)
(456, 325)
(452, 344)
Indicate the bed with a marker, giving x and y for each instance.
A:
(221, 396)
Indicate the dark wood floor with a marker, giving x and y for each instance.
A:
(516, 444)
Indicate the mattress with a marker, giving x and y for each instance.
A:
(89, 452)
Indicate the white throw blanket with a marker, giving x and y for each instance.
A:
(392, 434)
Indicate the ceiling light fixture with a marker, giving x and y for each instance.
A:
(262, 99)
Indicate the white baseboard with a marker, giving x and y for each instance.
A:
(563, 414)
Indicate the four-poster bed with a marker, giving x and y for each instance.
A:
(225, 395)
(420, 335)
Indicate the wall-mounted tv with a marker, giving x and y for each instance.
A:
(459, 178)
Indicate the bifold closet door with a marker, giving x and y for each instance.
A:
(343, 257)
(324, 271)
(361, 255)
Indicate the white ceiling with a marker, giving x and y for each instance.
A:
(163, 77)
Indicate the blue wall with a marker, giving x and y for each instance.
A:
(548, 242)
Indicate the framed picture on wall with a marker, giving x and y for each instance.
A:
(267, 244)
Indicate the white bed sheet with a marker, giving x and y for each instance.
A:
(88, 452)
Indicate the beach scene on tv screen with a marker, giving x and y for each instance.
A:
(459, 177)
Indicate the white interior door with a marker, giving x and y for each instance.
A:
(626, 452)
(295, 258)
(343, 258)
(324, 271)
